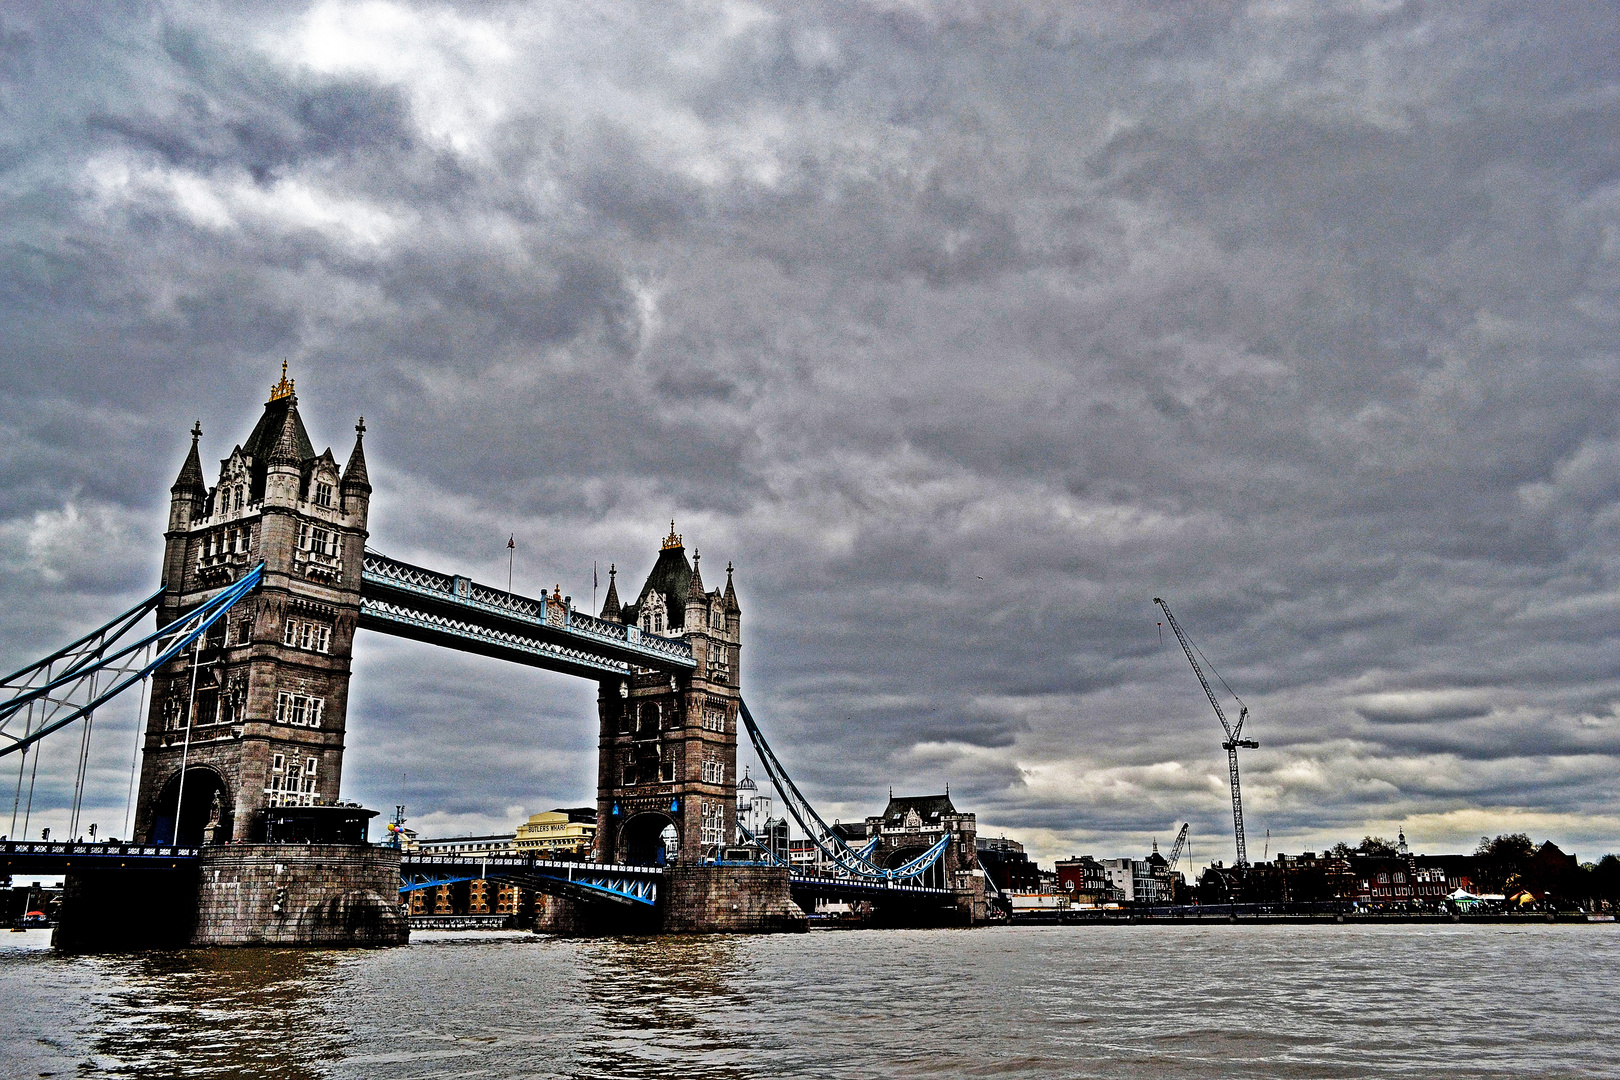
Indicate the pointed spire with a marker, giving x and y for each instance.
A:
(673, 540)
(190, 481)
(355, 477)
(731, 593)
(610, 606)
(285, 451)
(695, 590)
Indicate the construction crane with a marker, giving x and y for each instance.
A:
(1175, 850)
(1234, 740)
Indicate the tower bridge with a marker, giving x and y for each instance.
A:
(266, 581)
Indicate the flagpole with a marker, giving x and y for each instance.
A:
(593, 586)
(511, 555)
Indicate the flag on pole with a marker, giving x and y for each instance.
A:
(511, 541)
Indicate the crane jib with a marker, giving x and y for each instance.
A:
(1232, 743)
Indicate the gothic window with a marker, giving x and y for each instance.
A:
(714, 772)
(243, 630)
(300, 634)
(714, 819)
(299, 710)
(278, 763)
(323, 494)
(666, 772)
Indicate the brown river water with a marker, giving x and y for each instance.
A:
(1101, 1001)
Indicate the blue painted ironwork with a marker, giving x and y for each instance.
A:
(585, 881)
(819, 833)
(446, 609)
(74, 681)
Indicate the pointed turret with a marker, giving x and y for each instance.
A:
(355, 477)
(731, 594)
(284, 472)
(697, 601)
(610, 606)
(285, 450)
(190, 480)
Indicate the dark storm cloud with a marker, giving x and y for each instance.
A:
(963, 330)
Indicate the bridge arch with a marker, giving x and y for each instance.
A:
(207, 791)
(649, 838)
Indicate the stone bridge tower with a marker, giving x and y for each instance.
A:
(668, 745)
(257, 714)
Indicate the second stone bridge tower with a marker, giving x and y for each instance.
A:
(667, 768)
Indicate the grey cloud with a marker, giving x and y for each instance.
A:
(963, 330)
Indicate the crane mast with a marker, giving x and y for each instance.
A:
(1234, 739)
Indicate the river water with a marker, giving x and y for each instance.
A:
(1081, 1001)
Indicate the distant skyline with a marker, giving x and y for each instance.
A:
(962, 329)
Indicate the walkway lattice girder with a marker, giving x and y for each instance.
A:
(458, 613)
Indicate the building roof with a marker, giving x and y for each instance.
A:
(267, 432)
(931, 808)
(671, 577)
(585, 814)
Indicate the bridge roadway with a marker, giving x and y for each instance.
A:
(591, 882)
(41, 857)
(626, 884)
(884, 892)
(457, 612)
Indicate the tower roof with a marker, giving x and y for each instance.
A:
(731, 594)
(671, 578)
(355, 477)
(610, 606)
(929, 807)
(267, 432)
(190, 480)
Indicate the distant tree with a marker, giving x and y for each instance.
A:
(1375, 846)
(1503, 861)
(1341, 850)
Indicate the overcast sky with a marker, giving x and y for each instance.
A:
(963, 330)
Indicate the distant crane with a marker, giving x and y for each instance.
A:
(1233, 740)
(1175, 850)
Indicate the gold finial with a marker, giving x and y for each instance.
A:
(671, 541)
(284, 388)
(556, 593)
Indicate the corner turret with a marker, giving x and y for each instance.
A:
(610, 606)
(356, 481)
(284, 472)
(189, 492)
(697, 602)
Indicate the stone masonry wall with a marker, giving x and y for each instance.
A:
(729, 900)
(334, 895)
